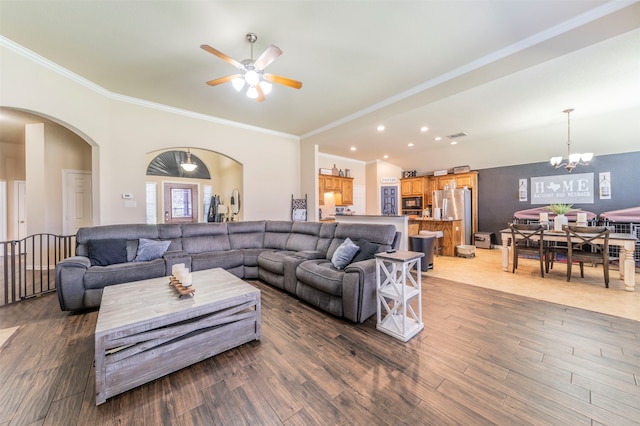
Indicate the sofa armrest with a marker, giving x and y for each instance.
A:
(310, 254)
(364, 267)
(76, 261)
(359, 298)
(69, 276)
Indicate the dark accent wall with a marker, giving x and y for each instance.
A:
(498, 188)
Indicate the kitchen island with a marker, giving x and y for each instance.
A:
(451, 230)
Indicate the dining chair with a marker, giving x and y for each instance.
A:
(553, 249)
(582, 247)
(527, 240)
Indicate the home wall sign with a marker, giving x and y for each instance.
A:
(572, 189)
(388, 180)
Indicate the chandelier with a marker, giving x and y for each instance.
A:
(188, 166)
(573, 160)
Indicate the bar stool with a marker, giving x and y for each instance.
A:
(438, 235)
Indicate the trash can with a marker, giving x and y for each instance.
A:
(424, 244)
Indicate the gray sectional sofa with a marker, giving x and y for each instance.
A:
(293, 256)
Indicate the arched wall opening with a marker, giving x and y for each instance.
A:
(225, 181)
(44, 155)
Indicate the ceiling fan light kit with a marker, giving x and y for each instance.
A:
(252, 74)
(573, 160)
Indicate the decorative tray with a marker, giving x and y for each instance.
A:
(184, 291)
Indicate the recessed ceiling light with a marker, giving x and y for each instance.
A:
(410, 144)
(424, 129)
(380, 128)
(437, 138)
(454, 142)
(385, 156)
(353, 148)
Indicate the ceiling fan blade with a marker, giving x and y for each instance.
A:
(260, 97)
(283, 80)
(222, 79)
(222, 56)
(267, 57)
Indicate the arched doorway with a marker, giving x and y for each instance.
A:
(55, 153)
(176, 195)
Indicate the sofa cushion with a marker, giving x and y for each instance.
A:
(344, 253)
(98, 277)
(304, 236)
(366, 251)
(151, 249)
(273, 261)
(246, 235)
(104, 232)
(205, 237)
(276, 234)
(225, 259)
(109, 251)
(321, 275)
(251, 256)
(383, 235)
(171, 232)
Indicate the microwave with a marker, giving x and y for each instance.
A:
(412, 203)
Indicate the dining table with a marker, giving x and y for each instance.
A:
(626, 243)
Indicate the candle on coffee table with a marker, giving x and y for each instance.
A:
(175, 269)
(187, 278)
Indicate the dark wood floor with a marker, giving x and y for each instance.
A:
(485, 357)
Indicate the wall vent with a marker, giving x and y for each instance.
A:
(457, 135)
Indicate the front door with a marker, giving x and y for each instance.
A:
(180, 203)
(389, 200)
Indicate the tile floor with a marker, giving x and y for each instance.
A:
(485, 270)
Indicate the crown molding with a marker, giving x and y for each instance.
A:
(46, 63)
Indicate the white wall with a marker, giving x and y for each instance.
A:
(376, 171)
(122, 132)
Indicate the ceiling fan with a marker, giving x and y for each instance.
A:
(252, 71)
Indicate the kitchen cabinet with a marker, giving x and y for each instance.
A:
(332, 183)
(347, 191)
(413, 187)
(451, 231)
(432, 185)
(470, 180)
(321, 190)
(341, 187)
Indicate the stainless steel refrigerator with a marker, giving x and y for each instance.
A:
(455, 204)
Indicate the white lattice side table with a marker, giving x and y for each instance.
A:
(399, 294)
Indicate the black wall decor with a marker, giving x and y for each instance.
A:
(498, 188)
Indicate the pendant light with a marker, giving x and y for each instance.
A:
(188, 166)
(573, 160)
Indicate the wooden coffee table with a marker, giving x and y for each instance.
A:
(144, 331)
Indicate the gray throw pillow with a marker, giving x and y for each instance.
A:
(151, 249)
(344, 253)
